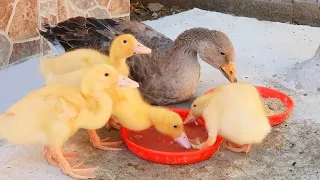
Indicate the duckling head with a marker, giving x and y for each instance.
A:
(218, 51)
(197, 107)
(103, 76)
(126, 45)
(170, 123)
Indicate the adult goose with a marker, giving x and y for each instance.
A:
(171, 73)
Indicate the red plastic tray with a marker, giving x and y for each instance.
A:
(177, 158)
(266, 92)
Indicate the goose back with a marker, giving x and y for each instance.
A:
(81, 32)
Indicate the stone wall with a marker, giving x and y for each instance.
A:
(306, 12)
(20, 19)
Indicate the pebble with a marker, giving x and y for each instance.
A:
(154, 7)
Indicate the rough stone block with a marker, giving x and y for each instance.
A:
(306, 13)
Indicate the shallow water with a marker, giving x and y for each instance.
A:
(152, 139)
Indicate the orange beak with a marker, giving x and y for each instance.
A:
(190, 118)
(229, 71)
(141, 49)
(183, 140)
(126, 82)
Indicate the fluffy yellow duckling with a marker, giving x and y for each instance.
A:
(132, 112)
(122, 47)
(235, 111)
(73, 79)
(50, 115)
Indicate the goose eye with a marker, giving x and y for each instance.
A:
(194, 105)
(106, 74)
(175, 126)
(124, 41)
(222, 53)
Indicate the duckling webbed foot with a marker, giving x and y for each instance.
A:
(231, 146)
(103, 144)
(114, 123)
(72, 171)
(197, 145)
(52, 157)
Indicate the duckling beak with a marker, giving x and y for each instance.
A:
(141, 49)
(183, 140)
(229, 72)
(126, 82)
(190, 118)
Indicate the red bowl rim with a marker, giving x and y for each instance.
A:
(124, 130)
(289, 104)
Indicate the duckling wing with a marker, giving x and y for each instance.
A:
(42, 114)
(81, 32)
(72, 78)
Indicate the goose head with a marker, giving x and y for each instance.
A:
(217, 50)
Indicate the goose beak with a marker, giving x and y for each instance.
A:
(126, 82)
(183, 140)
(190, 118)
(229, 71)
(141, 49)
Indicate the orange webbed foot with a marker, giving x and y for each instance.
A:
(113, 122)
(195, 143)
(103, 144)
(66, 168)
(52, 157)
(238, 148)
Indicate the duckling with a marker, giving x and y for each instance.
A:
(50, 115)
(121, 48)
(132, 112)
(236, 112)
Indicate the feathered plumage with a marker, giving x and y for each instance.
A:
(171, 73)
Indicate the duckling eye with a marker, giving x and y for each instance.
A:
(106, 74)
(222, 53)
(194, 105)
(175, 126)
(124, 41)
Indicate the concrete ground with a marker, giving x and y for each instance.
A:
(264, 51)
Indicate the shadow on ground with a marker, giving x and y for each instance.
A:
(291, 151)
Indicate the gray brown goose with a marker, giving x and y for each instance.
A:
(167, 76)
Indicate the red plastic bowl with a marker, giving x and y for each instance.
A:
(177, 158)
(266, 92)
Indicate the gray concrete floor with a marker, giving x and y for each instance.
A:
(264, 51)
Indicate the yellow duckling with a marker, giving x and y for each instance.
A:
(235, 111)
(132, 112)
(122, 47)
(50, 115)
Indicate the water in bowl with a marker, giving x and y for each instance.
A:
(152, 139)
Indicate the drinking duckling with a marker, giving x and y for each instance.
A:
(132, 112)
(235, 111)
(49, 116)
(122, 47)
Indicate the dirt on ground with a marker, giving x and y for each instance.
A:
(143, 13)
